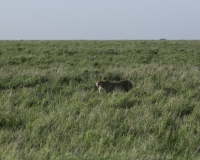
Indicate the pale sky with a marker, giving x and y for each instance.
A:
(99, 19)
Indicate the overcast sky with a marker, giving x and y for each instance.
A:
(99, 19)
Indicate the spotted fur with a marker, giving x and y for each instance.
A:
(111, 86)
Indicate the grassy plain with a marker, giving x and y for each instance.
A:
(51, 109)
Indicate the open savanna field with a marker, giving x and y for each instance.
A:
(50, 107)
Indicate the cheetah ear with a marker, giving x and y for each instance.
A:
(102, 77)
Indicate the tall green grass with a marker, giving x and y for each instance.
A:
(50, 107)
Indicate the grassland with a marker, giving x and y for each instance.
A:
(51, 109)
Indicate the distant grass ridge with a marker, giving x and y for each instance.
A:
(50, 107)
